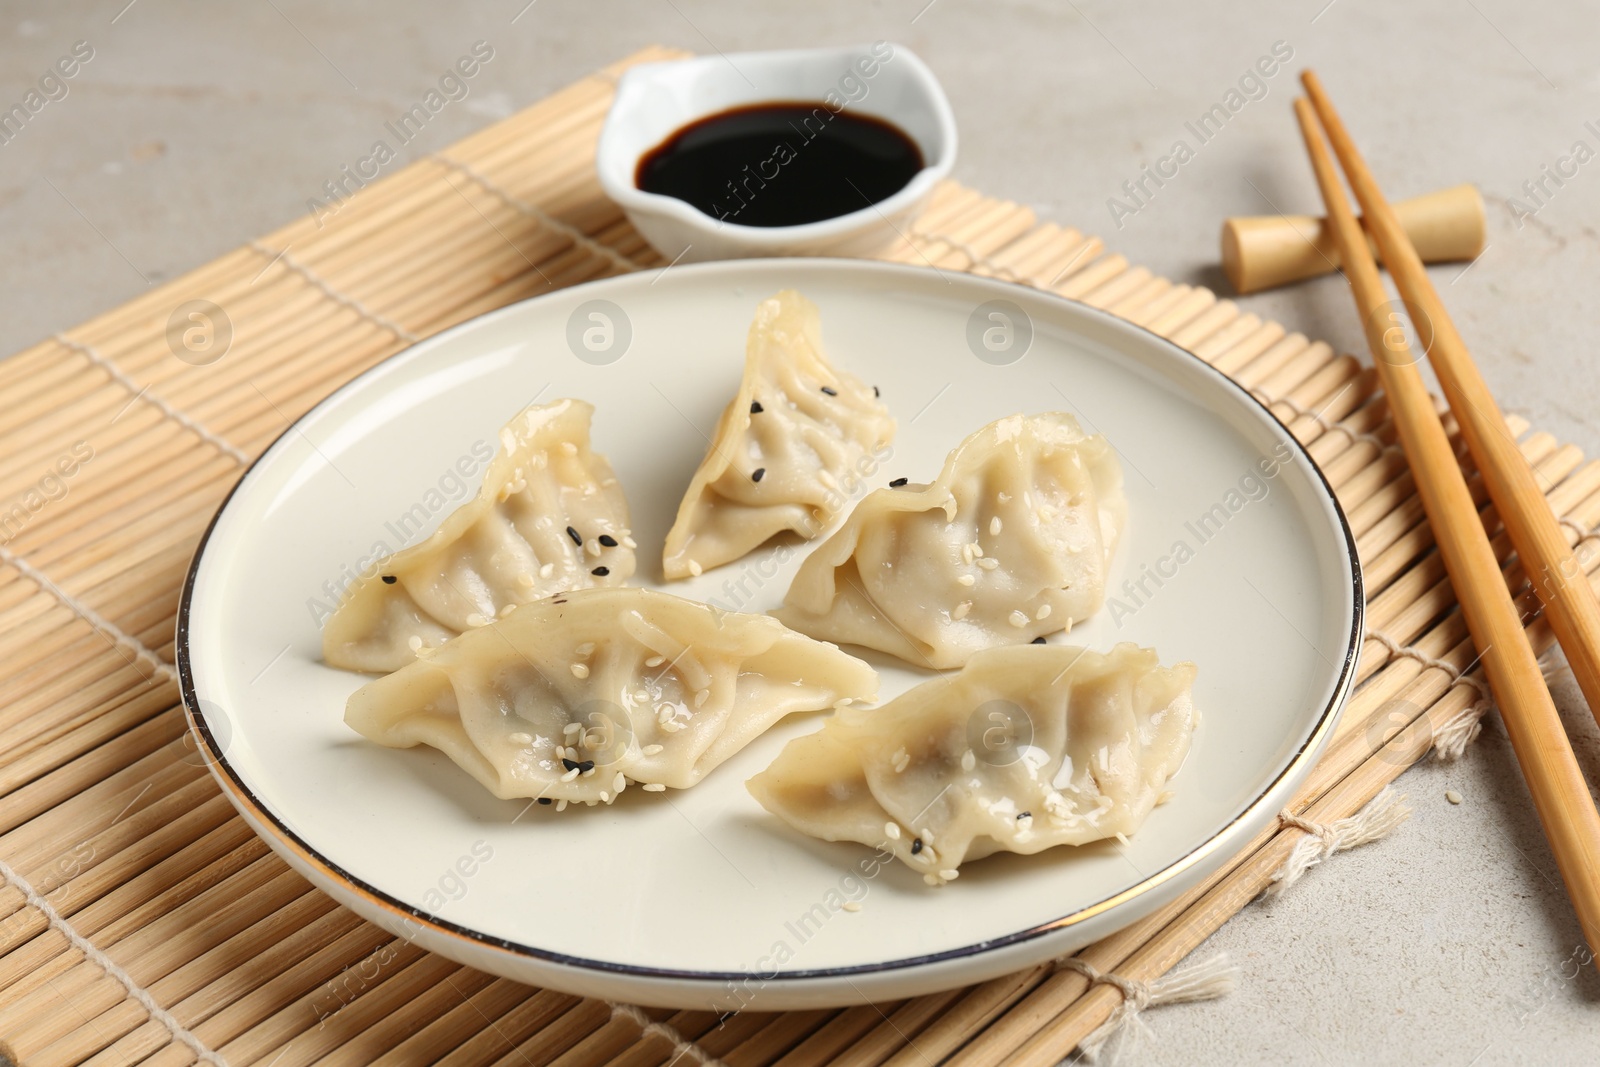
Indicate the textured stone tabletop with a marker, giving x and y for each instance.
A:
(192, 127)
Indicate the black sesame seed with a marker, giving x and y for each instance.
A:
(756, 408)
(389, 579)
(916, 846)
(577, 538)
(558, 601)
(600, 572)
(608, 540)
(830, 392)
(1038, 640)
(569, 764)
(546, 800)
(875, 391)
(898, 482)
(586, 766)
(1024, 815)
(757, 474)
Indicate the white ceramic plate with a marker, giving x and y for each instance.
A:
(700, 898)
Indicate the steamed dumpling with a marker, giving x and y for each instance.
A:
(796, 433)
(1011, 542)
(550, 517)
(1026, 748)
(572, 697)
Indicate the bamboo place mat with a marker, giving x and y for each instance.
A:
(141, 922)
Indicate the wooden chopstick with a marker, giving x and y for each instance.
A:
(1560, 795)
(1548, 560)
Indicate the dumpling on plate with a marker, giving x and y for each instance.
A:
(549, 517)
(1024, 749)
(573, 697)
(1010, 542)
(796, 434)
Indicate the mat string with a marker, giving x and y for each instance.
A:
(59, 923)
(1210, 978)
(1328, 425)
(648, 1027)
(542, 217)
(1386, 811)
(335, 295)
(107, 629)
(139, 392)
(1450, 741)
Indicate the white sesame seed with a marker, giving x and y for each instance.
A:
(852, 905)
(994, 525)
(520, 738)
(695, 568)
(968, 760)
(546, 571)
(628, 542)
(572, 729)
(927, 837)
(891, 830)
(413, 642)
(605, 796)
(561, 805)
(654, 787)
(507, 610)
(949, 874)
(475, 619)
(620, 782)
(931, 879)
(585, 649)
(966, 554)
(1122, 837)
(570, 775)
(425, 651)
(967, 579)
(568, 448)
(592, 547)
(526, 580)
(1166, 795)
(977, 549)
(1069, 624)
(700, 697)
(672, 726)
(651, 750)
(988, 563)
(1043, 612)
(961, 610)
(843, 702)
(587, 774)
(580, 670)
(1018, 619)
(1003, 497)
(1452, 796)
(655, 661)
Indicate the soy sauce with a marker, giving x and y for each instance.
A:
(781, 164)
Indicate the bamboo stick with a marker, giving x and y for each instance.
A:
(1561, 797)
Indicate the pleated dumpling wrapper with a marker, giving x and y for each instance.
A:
(1011, 542)
(1024, 749)
(549, 517)
(573, 697)
(786, 449)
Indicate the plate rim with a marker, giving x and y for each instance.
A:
(282, 836)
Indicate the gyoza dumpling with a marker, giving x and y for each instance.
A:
(572, 697)
(1009, 543)
(797, 432)
(550, 517)
(1026, 748)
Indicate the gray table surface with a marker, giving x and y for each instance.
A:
(197, 126)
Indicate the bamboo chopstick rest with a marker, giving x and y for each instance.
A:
(1264, 251)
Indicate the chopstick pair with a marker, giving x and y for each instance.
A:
(1561, 796)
